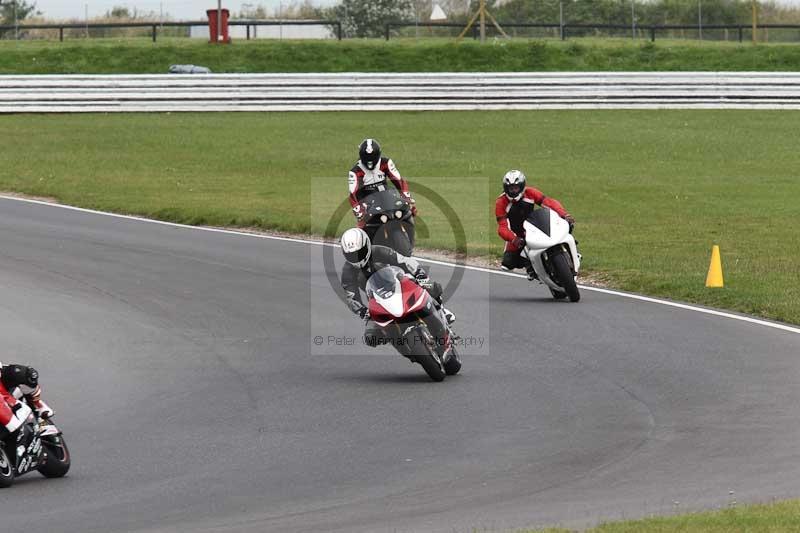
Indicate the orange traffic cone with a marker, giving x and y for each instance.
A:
(714, 278)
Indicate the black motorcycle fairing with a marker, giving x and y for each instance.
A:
(540, 218)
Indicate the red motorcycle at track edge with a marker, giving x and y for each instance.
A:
(412, 321)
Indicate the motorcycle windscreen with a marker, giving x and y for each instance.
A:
(384, 201)
(540, 218)
(544, 228)
(384, 287)
(383, 283)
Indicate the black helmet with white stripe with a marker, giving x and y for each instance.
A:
(369, 153)
(514, 184)
(356, 247)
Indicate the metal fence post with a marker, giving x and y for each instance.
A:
(564, 32)
(474, 32)
(155, 28)
(740, 34)
(652, 34)
(248, 32)
(61, 34)
(387, 31)
(339, 30)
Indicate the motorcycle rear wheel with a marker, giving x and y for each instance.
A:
(565, 276)
(453, 364)
(6, 469)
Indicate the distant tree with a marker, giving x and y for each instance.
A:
(619, 11)
(366, 18)
(119, 12)
(249, 11)
(24, 9)
(299, 10)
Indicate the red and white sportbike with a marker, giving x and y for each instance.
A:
(412, 321)
(553, 253)
(37, 445)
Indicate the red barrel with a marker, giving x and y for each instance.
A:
(218, 35)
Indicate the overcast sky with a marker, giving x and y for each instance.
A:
(178, 9)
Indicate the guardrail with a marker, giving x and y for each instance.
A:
(381, 91)
(564, 31)
(155, 26)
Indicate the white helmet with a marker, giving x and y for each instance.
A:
(356, 246)
(514, 184)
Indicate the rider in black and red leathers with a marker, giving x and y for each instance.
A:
(16, 382)
(370, 174)
(511, 209)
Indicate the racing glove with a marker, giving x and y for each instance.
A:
(411, 202)
(43, 410)
(518, 242)
(360, 213)
(364, 313)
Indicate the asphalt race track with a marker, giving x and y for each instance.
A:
(181, 366)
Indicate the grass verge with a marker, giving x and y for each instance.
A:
(651, 190)
(778, 517)
(121, 56)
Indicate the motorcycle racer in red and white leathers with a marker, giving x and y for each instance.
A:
(511, 209)
(16, 382)
(370, 174)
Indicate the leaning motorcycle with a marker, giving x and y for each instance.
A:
(37, 445)
(389, 220)
(411, 320)
(553, 252)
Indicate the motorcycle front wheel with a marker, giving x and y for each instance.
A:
(564, 275)
(57, 461)
(423, 351)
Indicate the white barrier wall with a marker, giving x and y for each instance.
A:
(358, 91)
(268, 32)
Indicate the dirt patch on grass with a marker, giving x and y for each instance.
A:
(45, 199)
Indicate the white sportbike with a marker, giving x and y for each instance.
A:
(553, 253)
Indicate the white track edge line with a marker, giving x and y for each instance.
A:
(688, 307)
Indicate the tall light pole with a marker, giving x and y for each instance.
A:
(483, 20)
(755, 21)
(633, 19)
(16, 22)
(219, 21)
(700, 18)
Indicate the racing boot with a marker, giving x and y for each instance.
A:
(531, 272)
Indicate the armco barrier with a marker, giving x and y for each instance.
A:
(354, 91)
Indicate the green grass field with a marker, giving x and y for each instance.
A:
(782, 517)
(111, 56)
(651, 190)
